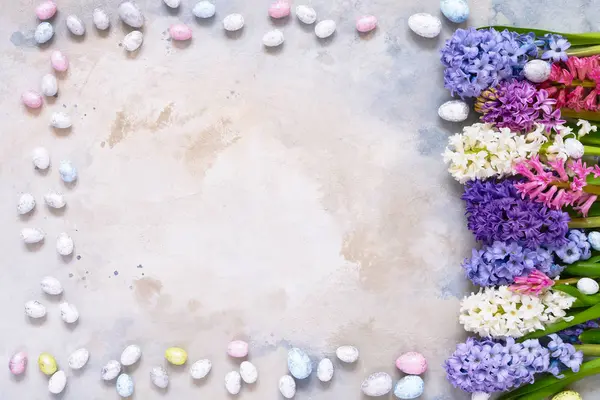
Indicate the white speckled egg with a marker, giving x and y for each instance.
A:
(588, 286)
(480, 396)
(51, 286)
(40, 157)
(233, 382)
(125, 385)
(456, 11)
(79, 358)
(60, 120)
(131, 355)
(133, 40)
(57, 382)
(537, 71)
(68, 313)
(67, 171)
(454, 111)
(200, 369)
(204, 9)
(233, 22)
(131, 14)
(159, 376)
(43, 33)
(347, 354)
(46, 10)
(299, 363)
(18, 363)
(55, 200)
(324, 29)
(32, 235)
(248, 372)
(64, 244)
(111, 370)
(172, 3)
(325, 370)
(306, 14)
(35, 309)
(59, 61)
(377, 384)
(75, 25)
(273, 38)
(287, 386)
(49, 85)
(26, 203)
(101, 19)
(409, 387)
(425, 25)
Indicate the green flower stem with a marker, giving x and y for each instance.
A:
(585, 223)
(579, 318)
(591, 338)
(584, 51)
(568, 281)
(591, 151)
(586, 84)
(589, 115)
(589, 350)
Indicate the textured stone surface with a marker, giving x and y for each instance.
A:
(294, 198)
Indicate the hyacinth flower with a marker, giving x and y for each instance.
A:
(533, 284)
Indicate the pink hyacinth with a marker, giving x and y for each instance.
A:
(534, 284)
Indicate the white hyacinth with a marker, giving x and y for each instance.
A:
(585, 127)
(499, 312)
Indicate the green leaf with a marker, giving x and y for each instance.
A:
(590, 337)
(576, 39)
(579, 318)
(589, 115)
(590, 270)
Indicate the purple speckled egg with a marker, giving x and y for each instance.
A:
(180, 32)
(279, 9)
(45, 10)
(59, 61)
(412, 363)
(237, 349)
(32, 99)
(366, 23)
(18, 363)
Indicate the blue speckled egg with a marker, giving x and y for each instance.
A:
(456, 11)
(124, 385)
(299, 363)
(409, 387)
(68, 173)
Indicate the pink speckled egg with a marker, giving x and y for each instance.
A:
(237, 349)
(45, 10)
(279, 9)
(412, 363)
(18, 363)
(32, 99)
(59, 61)
(366, 23)
(180, 32)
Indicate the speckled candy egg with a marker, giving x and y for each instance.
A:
(279, 9)
(55, 200)
(131, 355)
(537, 71)
(233, 382)
(125, 385)
(306, 14)
(248, 372)
(43, 33)
(176, 355)
(34, 309)
(75, 25)
(26, 204)
(480, 396)
(172, 3)
(45, 10)
(287, 386)
(594, 239)
(67, 172)
(377, 384)
(412, 363)
(131, 14)
(32, 99)
(59, 61)
(299, 363)
(101, 19)
(456, 11)
(68, 313)
(587, 286)
(366, 23)
(64, 244)
(237, 349)
(51, 286)
(233, 22)
(200, 369)
(159, 376)
(57, 382)
(324, 29)
(454, 111)
(79, 358)
(18, 363)
(425, 25)
(111, 370)
(60, 120)
(180, 32)
(325, 370)
(568, 395)
(40, 157)
(133, 40)
(204, 9)
(347, 354)
(47, 364)
(32, 235)
(409, 387)
(49, 85)
(273, 38)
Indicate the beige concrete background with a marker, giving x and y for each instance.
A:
(293, 197)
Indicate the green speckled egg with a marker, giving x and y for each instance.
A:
(176, 355)
(568, 395)
(47, 364)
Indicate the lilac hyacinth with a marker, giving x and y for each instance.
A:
(500, 263)
(577, 248)
(496, 212)
(555, 47)
(563, 356)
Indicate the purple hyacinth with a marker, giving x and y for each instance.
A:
(496, 212)
(577, 248)
(571, 335)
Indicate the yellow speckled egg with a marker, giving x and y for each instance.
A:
(47, 364)
(568, 395)
(176, 355)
